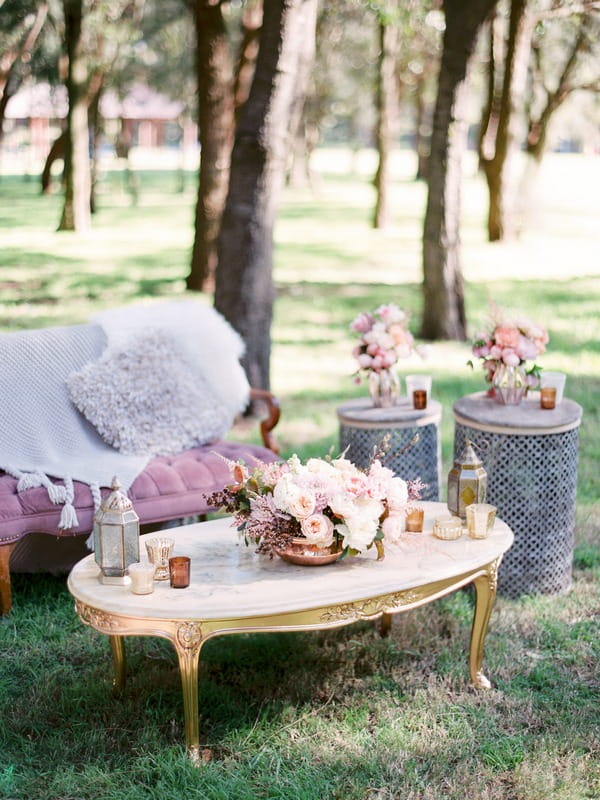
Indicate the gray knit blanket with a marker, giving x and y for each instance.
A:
(43, 435)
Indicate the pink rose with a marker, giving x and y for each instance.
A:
(495, 352)
(364, 361)
(302, 505)
(318, 529)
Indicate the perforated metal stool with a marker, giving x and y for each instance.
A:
(413, 442)
(530, 455)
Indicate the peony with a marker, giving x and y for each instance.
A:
(285, 492)
(507, 336)
(361, 528)
(318, 529)
(362, 323)
(510, 358)
(393, 527)
(397, 494)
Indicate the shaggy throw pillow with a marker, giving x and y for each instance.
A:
(145, 398)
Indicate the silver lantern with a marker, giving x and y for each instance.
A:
(467, 482)
(116, 536)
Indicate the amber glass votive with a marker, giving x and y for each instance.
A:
(179, 572)
(419, 399)
(548, 397)
(414, 520)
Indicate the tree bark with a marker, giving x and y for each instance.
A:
(387, 95)
(244, 284)
(497, 139)
(443, 294)
(215, 127)
(76, 210)
(10, 79)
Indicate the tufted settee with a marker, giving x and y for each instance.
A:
(168, 487)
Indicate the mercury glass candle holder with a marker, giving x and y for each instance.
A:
(448, 528)
(159, 552)
(480, 520)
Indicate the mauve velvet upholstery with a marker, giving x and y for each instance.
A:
(169, 487)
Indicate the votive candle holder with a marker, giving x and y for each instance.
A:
(142, 577)
(159, 552)
(480, 520)
(179, 572)
(448, 527)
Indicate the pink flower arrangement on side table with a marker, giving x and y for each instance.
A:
(326, 501)
(512, 342)
(384, 338)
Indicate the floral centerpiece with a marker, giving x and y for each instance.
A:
(504, 351)
(384, 338)
(328, 503)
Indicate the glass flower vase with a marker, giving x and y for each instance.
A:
(384, 388)
(510, 384)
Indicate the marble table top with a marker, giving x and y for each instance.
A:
(229, 580)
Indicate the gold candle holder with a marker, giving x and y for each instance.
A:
(480, 520)
(414, 520)
(159, 552)
(448, 528)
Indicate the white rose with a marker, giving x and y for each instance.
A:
(318, 529)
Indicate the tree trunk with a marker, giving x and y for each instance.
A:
(10, 75)
(422, 131)
(497, 140)
(215, 127)
(384, 134)
(244, 73)
(443, 295)
(267, 125)
(76, 211)
(57, 150)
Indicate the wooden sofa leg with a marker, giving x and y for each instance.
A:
(5, 592)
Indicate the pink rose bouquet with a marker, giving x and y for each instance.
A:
(326, 501)
(384, 338)
(511, 342)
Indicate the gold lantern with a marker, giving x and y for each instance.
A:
(116, 536)
(467, 482)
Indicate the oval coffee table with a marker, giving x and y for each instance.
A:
(232, 590)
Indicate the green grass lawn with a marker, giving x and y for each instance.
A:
(340, 714)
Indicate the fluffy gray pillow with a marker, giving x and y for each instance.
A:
(146, 399)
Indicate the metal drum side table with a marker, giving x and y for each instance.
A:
(411, 439)
(530, 455)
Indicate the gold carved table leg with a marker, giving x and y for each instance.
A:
(117, 645)
(485, 596)
(5, 591)
(188, 641)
